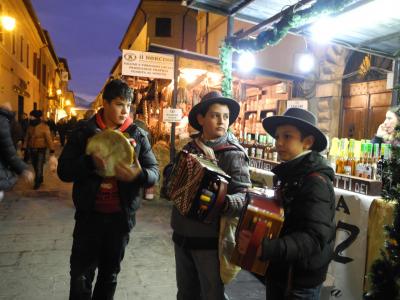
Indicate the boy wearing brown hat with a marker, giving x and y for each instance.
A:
(299, 258)
(196, 243)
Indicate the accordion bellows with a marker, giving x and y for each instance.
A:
(197, 187)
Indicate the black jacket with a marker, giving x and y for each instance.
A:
(8, 154)
(307, 237)
(77, 167)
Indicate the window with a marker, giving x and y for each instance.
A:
(163, 27)
(1, 27)
(34, 63)
(21, 52)
(13, 43)
(27, 56)
(44, 74)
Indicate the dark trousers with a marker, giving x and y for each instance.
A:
(99, 241)
(277, 291)
(38, 157)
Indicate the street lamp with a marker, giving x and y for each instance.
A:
(8, 23)
(58, 92)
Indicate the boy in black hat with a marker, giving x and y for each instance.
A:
(299, 258)
(196, 243)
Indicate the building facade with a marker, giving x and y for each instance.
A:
(29, 66)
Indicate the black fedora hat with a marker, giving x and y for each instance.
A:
(302, 119)
(209, 99)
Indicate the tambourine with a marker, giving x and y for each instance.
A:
(113, 147)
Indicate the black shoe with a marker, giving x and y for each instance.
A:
(36, 186)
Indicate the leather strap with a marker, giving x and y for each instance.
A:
(219, 201)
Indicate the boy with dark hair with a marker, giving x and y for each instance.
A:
(299, 258)
(196, 243)
(105, 206)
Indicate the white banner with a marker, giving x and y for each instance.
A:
(346, 271)
(147, 64)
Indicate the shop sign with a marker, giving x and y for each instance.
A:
(147, 64)
(358, 185)
(297, 104)
(172, 115)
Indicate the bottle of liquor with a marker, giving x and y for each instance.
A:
(349, 164)
(342, 157)
(333, 152)
(380, 163)
(375, 158)
(360, 162)
(368, 171)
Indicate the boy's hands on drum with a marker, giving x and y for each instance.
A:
(128, 173)
(98, 161)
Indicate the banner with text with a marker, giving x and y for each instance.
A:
(347, 269)
(147, 64)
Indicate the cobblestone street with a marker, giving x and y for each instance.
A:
(36, 238)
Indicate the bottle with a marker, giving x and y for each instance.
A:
(341, 158)
(349, 164)
(380, 163)
(368, 162)
(360, 162)
(375, 158)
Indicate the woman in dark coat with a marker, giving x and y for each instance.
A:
(9, 159)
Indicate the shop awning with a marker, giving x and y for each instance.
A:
(373, 26)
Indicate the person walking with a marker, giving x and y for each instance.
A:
(38, 140)
(105, 206)
(10, 163)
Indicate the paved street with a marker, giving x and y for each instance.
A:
(35, 243)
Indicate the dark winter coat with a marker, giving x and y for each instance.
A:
(307, 237)
(8, 153)
(236, 164)
(77, 167)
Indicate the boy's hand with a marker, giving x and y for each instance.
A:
(98, 161)
(127, 173)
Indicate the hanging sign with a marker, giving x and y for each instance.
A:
(172, 115)
(297, 104)
(147, 64)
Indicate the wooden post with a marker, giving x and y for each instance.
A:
(174, 101)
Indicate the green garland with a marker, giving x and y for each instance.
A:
(270, 37)
(225, 58)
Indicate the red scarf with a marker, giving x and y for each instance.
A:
(107, 198)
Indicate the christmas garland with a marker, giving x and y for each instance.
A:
(292, 19)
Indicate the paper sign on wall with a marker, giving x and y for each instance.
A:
(172, 115)
(297, 104)
(147, 64)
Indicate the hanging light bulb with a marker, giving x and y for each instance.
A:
(306, 62)
(246, 61)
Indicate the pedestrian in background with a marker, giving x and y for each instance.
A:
(10, 164)
(38, 140)
(105, 207)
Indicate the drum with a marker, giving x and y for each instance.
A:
(263, 216)
(197, 187)
(113, 147)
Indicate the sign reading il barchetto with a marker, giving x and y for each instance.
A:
(147, 64)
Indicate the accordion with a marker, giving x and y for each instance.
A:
(197, 186)
(263, 216)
